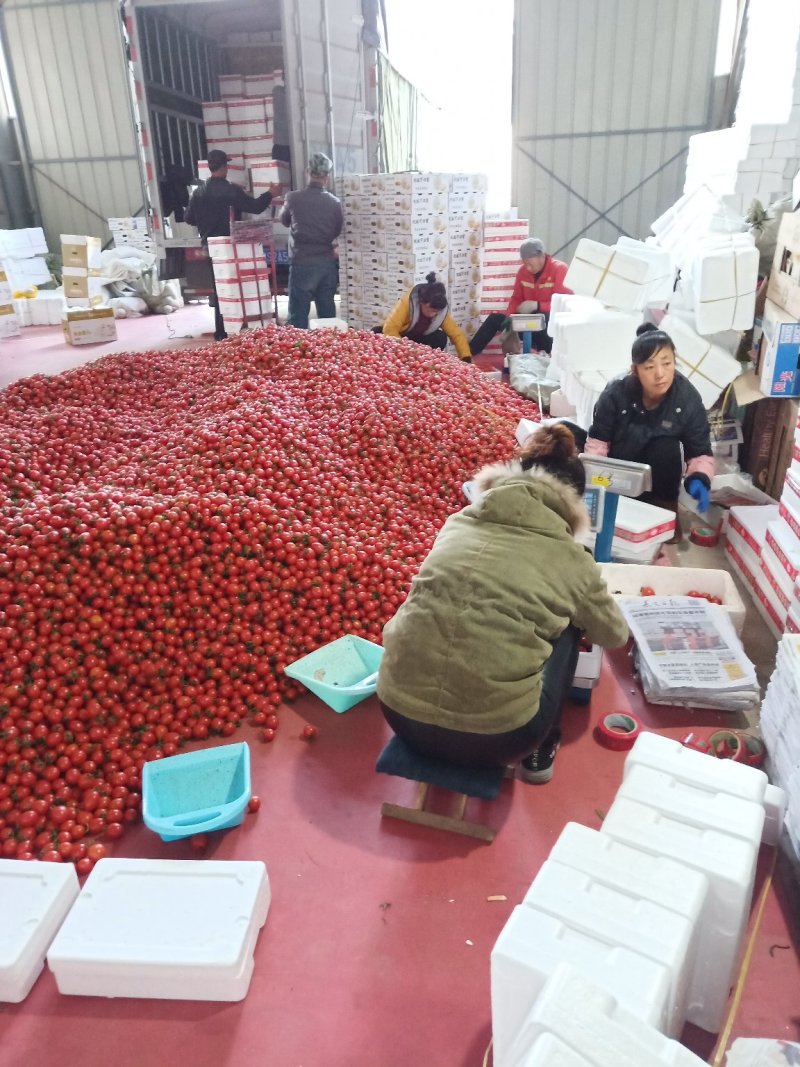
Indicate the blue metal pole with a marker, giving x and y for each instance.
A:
(602, 543)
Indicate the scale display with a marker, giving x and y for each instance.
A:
(523, 323)
(594, 497)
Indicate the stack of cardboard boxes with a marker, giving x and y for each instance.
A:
(398, 228)
(132, 232)
(85, 321)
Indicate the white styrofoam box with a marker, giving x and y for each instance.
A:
(639, 531)
(9, 321)
(625, 579)
(36, 898)
(652, 877)
(750, 522)
(529, 948)
(265, 171)
(776, 575)
(766, 591)
(258, 84)
(249, 288)
(620, 917)
(215, 111)
(589, 340)
(45, 309)
(550, 1051)
(217, 131)
(661, 272)
(708, 366)
(724, 282)
(23, 243)
(251, 131)
(591, 1022)
(697, 768)
(789, 504)
(255, 147)
(231, 86)
(775, 623)
(729, 864)
(695, 803)
(616, 277)
(133, 931)
(253, 307)
(246, 110)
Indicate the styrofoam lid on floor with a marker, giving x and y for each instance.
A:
(35, 899)
(145, 917)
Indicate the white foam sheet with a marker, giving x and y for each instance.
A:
(163, 929)
(621, 916)
(588, 1019)
(35, 899)
(529, 948)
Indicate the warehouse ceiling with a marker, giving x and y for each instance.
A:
(219, 19)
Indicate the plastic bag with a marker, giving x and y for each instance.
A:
(529, 374)
(762, 1052)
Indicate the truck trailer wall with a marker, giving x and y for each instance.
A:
(67, 66)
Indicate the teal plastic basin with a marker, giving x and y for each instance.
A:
(196, 792)
(341, 673)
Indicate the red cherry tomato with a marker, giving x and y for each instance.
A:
(199, 842)
(647, 590)
(268, 734)
(308, 733)
(253, 804)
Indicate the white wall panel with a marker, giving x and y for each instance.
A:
(67, 63)
(606, 96)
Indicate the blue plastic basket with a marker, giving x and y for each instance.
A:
(341, 673)
(196, 792)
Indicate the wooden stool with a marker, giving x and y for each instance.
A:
(400, 759)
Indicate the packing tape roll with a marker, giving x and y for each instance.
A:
(704, 536)
(618, 731)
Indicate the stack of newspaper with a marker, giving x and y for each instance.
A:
(780, 728)
(688, 654)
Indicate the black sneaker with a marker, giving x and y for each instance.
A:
(538, 767)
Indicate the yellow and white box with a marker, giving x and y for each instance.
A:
(90, 326)
(80, 251)
(81, 287)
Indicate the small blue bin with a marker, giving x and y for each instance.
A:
(196, 792)
(341, 673)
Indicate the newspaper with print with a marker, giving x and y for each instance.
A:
(688, 653)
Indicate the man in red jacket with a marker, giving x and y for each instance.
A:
(539, 277)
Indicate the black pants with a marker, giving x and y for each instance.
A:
(491, 326)
(437, 339)
(492, 750)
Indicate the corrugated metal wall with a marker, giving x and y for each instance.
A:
(327, 91)
(72, 90)
(606, 96)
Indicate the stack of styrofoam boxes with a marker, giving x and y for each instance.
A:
(240, 124)
(781, 730)
(36, 899)
(709, 366)
(466, 211)
(81, 271)
(640, 530)
(396, 231)
(9, 323)
(577, 1023)
(653, 907)
(22, 259)
(745, 538)
(502, 237)
(263, 173)
(240, 274)
(132, 932)
(131, 232)
(45, 308)
(783, 537)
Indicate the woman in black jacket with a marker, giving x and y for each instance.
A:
(654, 415)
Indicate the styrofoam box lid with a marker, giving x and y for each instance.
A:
(688, 765)
(694, 803)
(657, 878)
(36, 897)
(638, 521)
(146, 916)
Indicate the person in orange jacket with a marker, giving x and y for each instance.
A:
(539, 277)
(422, 315)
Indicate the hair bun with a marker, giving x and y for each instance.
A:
(646, 327)
(430, 278)
(555, 441)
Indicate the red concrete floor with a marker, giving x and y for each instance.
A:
(376, 949)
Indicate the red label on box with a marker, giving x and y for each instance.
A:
(644, 535)
(784, 599)
(791, 570)
(787, 514)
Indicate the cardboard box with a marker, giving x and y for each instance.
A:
(784, 280)
(779, 361)
(79, 251)
(768, 430)
(81, 287)
(90, 326)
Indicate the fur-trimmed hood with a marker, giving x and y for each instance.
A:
(540, 484)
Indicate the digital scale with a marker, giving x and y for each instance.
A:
(527, 325)
(606, 481)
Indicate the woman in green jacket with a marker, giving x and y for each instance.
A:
(480, 658)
